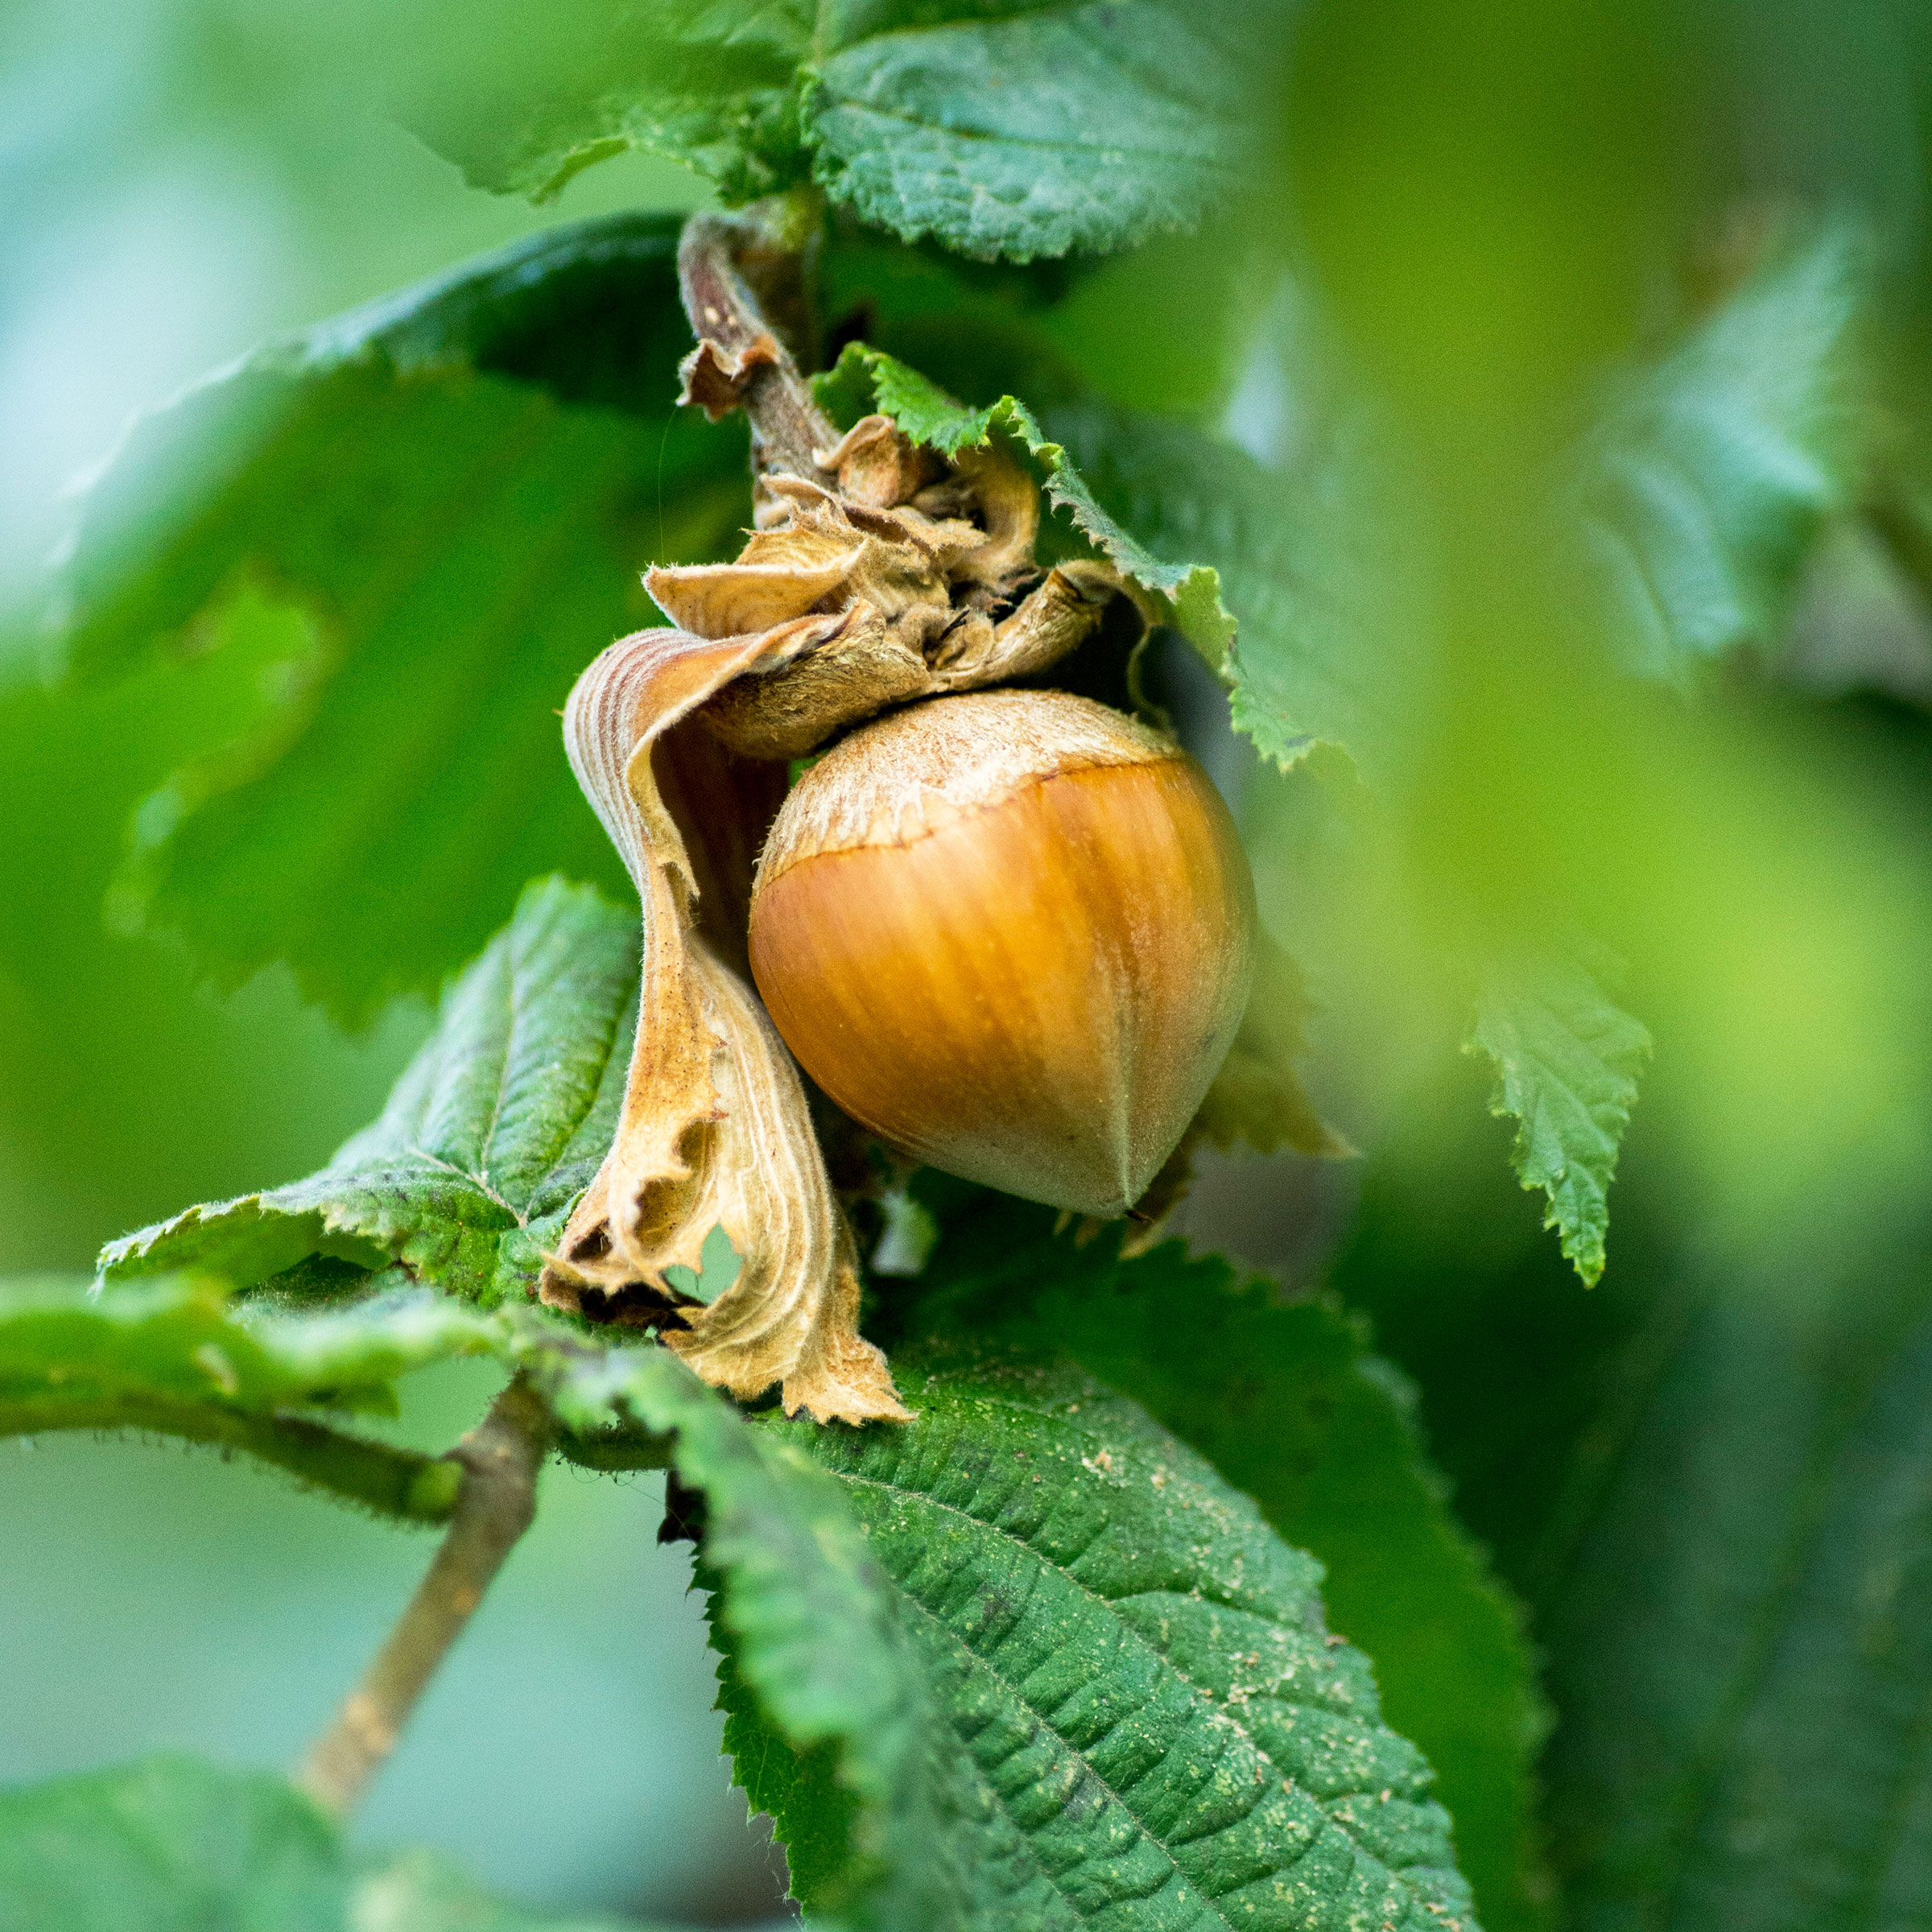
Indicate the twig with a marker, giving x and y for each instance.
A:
(739, 274)
(500, 1458)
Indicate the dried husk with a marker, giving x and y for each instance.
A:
(878, 573)
(714, 1131)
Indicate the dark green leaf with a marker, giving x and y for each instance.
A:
(175, 1355)
(1145, 1722)
(1566, 1059)
(1287, 1403)
(425, 518)
(1017, 132)
(491, 1132)
(818, 1669)
(1708, 479)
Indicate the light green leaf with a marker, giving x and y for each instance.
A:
(175, 1355)
(1566, 1059)
(173, 1844)
(496, 1126)
(1286, 1402)
(421, 521)
(1025, 131)
(169, 1845)
(423, 1892)
(1715, 468)
(716, 87)
(1145, 1720)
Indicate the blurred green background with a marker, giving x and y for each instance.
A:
(1498, 204)
(182, 180)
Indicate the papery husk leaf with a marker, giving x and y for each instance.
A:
(715, 1130)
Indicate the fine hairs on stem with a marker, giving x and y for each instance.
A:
(500, 1458)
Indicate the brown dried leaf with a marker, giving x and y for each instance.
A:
(715, 1130)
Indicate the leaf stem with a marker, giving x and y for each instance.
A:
(394, 1482)
(741, 276)
(500, 1458)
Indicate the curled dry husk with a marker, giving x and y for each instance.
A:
(879, 573)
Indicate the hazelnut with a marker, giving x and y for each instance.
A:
(1011, 932)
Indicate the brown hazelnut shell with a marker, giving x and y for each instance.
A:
(1012, 933)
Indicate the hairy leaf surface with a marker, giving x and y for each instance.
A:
(1707, 482)
(1018, 131)
(490, 1135)
(1144, 1719)
(175, 1355)
(1567, 1059)
(427, 517)
(1287, 1404)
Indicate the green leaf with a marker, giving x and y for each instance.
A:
(169, 1845)
(1018, 132)
(716, 87)
(1286, 1402)
(1280, 578)
(493, 1129)
(1738, 1581)
(818, 1666)
(1713, 470)
(1054, 128)
(1146, 1722)
(422, 520)
(1566, 1059)
(176, 1356)
(174, 1845)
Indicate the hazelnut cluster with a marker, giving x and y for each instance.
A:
(1009, 932)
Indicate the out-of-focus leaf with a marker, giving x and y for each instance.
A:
(1018, 133)
(1706, 483)
(170, 1845)
(423, 1892)
(176, 1356)
(491, 1132)
(1737, 1587)
(1286, 1403)
(425, 518)
(1257, 1099)
(1566, 1059)
(173, 1845)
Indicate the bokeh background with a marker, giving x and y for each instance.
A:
(185, 177)
(182, 181)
